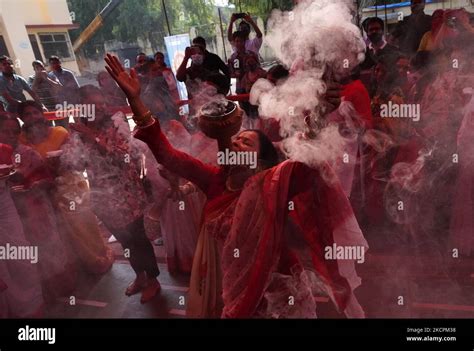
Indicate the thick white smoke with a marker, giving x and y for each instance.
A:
(316, 34)
(319, 42)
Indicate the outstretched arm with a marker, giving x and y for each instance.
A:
(150, 131)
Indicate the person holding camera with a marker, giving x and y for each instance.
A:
(194, 74)
(212, 62)
(254, 44)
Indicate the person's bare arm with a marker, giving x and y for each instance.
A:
(53, 83)
(230, 30)
(184, 165)
(254, 25)
(9, 98)
(181, 72)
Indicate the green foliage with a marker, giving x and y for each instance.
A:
(84, 12)
(143, 19)
(262, 8)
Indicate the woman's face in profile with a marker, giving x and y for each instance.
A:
(246, 141)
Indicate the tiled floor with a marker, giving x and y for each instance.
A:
(394, 285)
(104, 297)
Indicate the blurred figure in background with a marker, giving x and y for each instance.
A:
(377, 46)
(68, 92)
(113, 94)
(212, 62)
(32, 197)
(254, 44)
(411, 29)
(115, 172)
(20, 289)
(12, 87)
(160, 66)
(46, 86)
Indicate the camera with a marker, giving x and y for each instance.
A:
(240, 15)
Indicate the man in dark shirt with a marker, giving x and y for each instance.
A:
(410, 31)
(377, 46)
(203, 63)
(212, 62)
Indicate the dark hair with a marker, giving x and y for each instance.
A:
(141, 54)
(239, 34)
(37, 63)
(279, 72)
(28, 103)
(159, 53)
(200, 41)
(245, 23)
(88, 90)
(8, 117)
(5, 58)
(54, 58)
(220, 81)
(371, 20)
(268, 153)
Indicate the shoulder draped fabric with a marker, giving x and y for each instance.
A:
(253, 221)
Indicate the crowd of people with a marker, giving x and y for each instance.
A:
(68, 181)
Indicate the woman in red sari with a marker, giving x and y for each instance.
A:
(245, 265)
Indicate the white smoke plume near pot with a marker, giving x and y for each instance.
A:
(319, 42)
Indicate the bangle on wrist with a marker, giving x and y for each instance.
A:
(143, 120)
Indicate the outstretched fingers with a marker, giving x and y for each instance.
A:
(133, 74)
(113, 65)
(111, 72)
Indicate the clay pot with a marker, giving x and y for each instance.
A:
(221, 126)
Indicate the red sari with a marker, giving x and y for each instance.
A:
(242, 241)
(20, 289)
(57, 271)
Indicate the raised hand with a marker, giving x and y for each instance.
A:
(188, 52)
(129, 83)
(248, 18)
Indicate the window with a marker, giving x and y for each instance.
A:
(56, 44)
(3, 47)
(34, 45)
